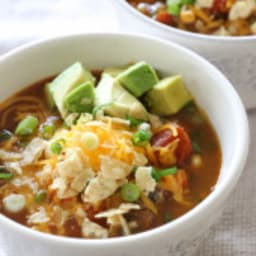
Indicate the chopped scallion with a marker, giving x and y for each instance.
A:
(48, 131)
(27, 126)
(57, 146)
(174, 9)
(40, 196)
(174, 6)
(90, 140)
(14, 203)
(188, 1)
(158, 174)
(6, 176)
(134, 122)
(141, 138)
(130, 192)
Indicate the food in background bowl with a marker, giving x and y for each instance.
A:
(234, 55)
(104, 153)
(213, 17)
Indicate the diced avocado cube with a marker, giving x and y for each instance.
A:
(80, 99)
(168, 96)
(65, 82)
(138, 78)
(123, 104)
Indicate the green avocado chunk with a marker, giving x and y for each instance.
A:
(138, 78)
(65, 82)
(80, 99)
(122, 103)
(168, 96)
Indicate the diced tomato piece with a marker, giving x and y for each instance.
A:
(184, 148)
(162, 138)
(165, 137)
(219, 6)
(164, 17)
(90, 212)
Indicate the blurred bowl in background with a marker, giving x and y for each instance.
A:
(235, 56)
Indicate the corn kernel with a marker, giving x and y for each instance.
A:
(14, 203)
(196, 161)
(187, 16)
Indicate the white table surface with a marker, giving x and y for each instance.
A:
(26, 20)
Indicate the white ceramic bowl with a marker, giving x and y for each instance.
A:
(212, 91)
(235, 56)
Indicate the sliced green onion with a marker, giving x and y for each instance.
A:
(48, 131)
(158, 174)
(57, 146)
(145, 127)
(130, 192)
(90, 140)
(14, 203)
(6, 176)
(141, 138)
(196, 147)
(27, 126)
(40, 196)
(174, 9)
(100, 107)
(174, 6)
(5, 135)
(188, 1)
(134, 122)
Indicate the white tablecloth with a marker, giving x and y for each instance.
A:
(25, 20)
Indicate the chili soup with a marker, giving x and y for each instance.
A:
(104, 153)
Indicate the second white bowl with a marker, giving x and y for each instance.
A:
(235, 56)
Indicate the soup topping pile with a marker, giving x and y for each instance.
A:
(104, 153)
(214, 17)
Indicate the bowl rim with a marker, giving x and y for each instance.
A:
(183, 33)
(236, 166)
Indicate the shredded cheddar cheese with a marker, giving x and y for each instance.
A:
(114, 141)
